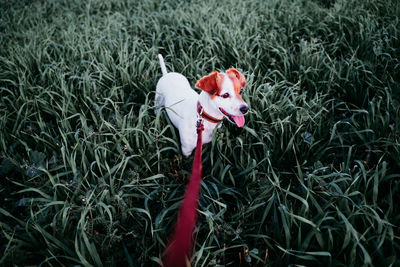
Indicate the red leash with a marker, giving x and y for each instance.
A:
(179, 249)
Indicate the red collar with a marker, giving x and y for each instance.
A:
(205, 116)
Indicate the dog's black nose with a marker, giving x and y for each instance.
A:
(244, 109)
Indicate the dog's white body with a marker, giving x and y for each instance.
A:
(180, 101)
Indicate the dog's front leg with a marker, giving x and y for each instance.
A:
(188, 140)
(187, 150)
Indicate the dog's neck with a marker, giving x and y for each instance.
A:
(208, 106)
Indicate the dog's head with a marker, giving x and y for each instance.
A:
(225, 91)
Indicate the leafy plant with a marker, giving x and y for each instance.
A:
(90, 176)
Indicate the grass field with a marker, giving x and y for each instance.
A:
(90, 176)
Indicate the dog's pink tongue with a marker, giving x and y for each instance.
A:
(239, 120)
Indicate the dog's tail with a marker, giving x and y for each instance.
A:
(162, 64)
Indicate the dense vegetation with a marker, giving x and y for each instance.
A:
(90, 176)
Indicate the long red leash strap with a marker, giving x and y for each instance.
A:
(180, 246)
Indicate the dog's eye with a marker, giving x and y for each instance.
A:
(226, 95)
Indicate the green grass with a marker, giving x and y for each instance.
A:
(90, 176)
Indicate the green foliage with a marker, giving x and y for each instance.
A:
(90, 176)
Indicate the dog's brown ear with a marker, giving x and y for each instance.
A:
(211, 83)
(235, 74)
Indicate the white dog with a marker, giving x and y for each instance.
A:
(220, 98)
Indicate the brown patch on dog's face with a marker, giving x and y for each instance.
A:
(211, 84)
(238, 80)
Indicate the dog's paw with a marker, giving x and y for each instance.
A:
(187, 151)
